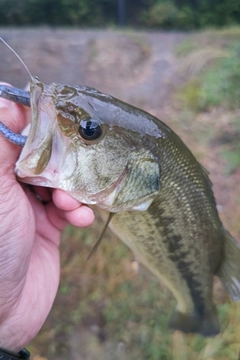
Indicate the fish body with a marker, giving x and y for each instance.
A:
(107, 153)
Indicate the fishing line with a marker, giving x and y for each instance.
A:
(14, 52)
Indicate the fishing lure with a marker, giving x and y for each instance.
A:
(21, 97)
(18, 96)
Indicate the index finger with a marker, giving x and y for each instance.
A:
(14, 116)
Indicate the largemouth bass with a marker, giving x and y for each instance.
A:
(107, 153)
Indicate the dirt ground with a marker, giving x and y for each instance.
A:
(138, 67)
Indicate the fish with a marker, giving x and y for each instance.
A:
(112, 155)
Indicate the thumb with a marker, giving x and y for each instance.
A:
(14, 116)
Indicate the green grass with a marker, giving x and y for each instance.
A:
(218, 84)
(211, 63)
(232, 159)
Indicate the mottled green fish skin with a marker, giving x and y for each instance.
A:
(179, 238)
(141, 171)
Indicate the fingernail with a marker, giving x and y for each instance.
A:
(4, 103)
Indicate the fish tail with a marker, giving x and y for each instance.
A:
(206, 325)
(229, 271)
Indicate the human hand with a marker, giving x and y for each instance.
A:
(29, 242)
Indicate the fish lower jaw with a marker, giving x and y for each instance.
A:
(38, 181)
(29, 178)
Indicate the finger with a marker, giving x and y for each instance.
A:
(81, 217)
(64, 201)
(77, 214)
(49, 219)
(57, 218)
(43, 193)
(13, 116)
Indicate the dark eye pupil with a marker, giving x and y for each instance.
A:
(90, 129)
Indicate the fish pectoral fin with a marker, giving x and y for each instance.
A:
(143, 206)
(94, 249)
(141, 184)
(206, 325)
(229, 271)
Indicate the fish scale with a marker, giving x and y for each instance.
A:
(153, 254)
(173, 212)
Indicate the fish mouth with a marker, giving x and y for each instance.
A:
(38, 181)
(46, 161)
(33, 180)
(46, 158)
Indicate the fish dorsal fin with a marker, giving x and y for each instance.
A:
(100, 236)
(206, 174)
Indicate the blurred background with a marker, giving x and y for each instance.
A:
(180, 61)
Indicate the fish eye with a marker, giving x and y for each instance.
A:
(89, 129)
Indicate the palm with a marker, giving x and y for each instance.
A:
(29, 240)
(32, 270)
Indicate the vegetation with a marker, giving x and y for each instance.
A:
(167, 14)
(215, 83)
